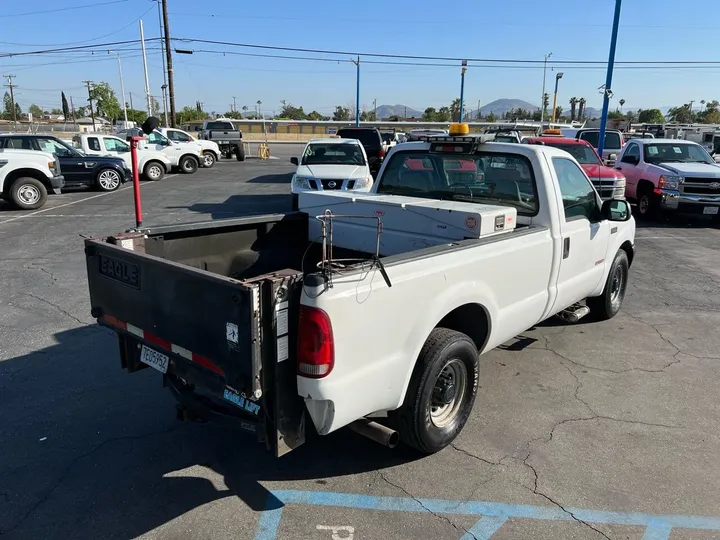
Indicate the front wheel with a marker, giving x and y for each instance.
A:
(28, 193)
(189, 164)
(441, 393)
(608, 304)
(108, 180)
(154, 171)
(648, 205)
(208, 160)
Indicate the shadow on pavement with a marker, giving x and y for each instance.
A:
(243, 205)
(677, 221)
(87, 448)
(285, 178)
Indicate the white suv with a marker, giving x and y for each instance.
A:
(27, 175)
(331, 165)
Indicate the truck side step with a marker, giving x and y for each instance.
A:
(574, 313)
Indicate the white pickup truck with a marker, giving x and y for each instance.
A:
(26, 176)
(210, 149)
(188, 157)
(152, 164)
(256, 320)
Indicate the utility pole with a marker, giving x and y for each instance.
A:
(234, 107)
(462, 89)
(608, 80)
(357, 92)
(375, 109)
(162, 55)
(92, 114)
(542, 99)
(72, 107)
(145, 67)
(131, 105)
(168, 52)
(11, 86)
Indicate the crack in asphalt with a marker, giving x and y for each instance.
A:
(76, 460)
(439, 516)
(473, 456)
(61, 310)
(36, 266)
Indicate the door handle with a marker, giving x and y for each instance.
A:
(566, 248)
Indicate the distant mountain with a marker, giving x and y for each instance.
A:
(501, 106)
(403, 111)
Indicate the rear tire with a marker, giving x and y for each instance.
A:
(208, 159)
(240, 152)
(441, 393)
(154, 171)
(28, 193)
(189, 164)
(108, 180)
(608, 304)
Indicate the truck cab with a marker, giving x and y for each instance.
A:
(152, 164)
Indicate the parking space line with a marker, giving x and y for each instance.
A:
(657, 527)
(79, 201)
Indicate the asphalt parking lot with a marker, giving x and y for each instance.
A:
(606, 430)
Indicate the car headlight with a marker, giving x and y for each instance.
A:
(301, 182)
(670, 182)
(362, 183)
(620, 183)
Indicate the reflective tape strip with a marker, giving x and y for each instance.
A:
(135, 330)
(206, 363)
(182, 351)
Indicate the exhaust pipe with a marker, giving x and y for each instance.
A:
(376, 432)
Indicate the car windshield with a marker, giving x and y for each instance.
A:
(583, 154)
(333, 154)
(59, 148)
(490, 178)
(612, 139)
(676, 152)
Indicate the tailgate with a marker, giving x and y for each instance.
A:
(208, 319)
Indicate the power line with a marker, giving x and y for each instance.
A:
(56, 10)
(81, 48)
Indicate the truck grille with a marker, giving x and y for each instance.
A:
(604, 187)
(701, 186)
(330, 184)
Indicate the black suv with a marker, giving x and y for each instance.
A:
(372, 142)
(102, 172)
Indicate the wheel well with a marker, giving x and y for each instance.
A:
(24, 173)
(151, 161)
(470, 319)
(213, 152)
(643, 186)
(196, 158)
(627, 247)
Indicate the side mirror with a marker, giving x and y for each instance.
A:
(294, 161)
(633, 160)
(612, 157)
(616, 210)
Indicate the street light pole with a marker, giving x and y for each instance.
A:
(357, 91)
(122, 85)
(462, 88)
(542, 98)
(557, 79)
(608, 80)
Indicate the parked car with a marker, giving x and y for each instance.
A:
(210, 149)
(331, 165)
(670, 175)
(614, 143)
(26, 177)
(104, 173)
(185, 156)
(417, 134)
(257, 321)
(609, 182)
(152, 164)
(371, 140)
(637, 135)
(226, 135)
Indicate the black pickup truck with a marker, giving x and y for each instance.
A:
(101, 172)
(227, 137)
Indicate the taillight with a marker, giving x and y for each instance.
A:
(316, 348)
(382, 153)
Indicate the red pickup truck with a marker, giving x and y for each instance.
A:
(608, 182)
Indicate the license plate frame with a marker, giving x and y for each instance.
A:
(154, 359)
(711, 210)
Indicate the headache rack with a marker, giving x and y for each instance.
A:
(456, 144)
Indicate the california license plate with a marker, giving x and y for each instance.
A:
(711, 210)
(154, 359)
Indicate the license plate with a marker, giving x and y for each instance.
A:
(154, 359)
(711, 210)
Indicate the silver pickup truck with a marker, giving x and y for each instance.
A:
(226, 136)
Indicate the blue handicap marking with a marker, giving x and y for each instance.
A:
(491, 515)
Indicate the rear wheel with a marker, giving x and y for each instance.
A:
(189, 164)
(441, 393)
(108, 180)
(28, 193)
(154, 171)
(240, 152)
(608, 304)
(208, 159)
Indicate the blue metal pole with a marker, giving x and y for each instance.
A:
(462, 93)
(608, 79)
(357, 95)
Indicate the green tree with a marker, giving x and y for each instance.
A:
(491, 117)
(651, 116)
(546, 102)
(189, 114)
(81, 112)
(681, 115)
(105, 101)
(56, 112)
(314, 115)
(394, 118)
(573, 107)
(616, 115)
(581, 108)
(341, 113)
(156, 107)
(455, 110)
(235, 115)
(137, 116)
(65, 108)
(443, 114)
(35, 110)
(7, 106)
(290, 112)
(558, 112)
(430, 114)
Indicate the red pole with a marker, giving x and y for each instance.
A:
(136, 179)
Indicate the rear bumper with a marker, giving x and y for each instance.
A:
(674, 200)
(57, 183)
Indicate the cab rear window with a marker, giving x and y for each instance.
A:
(612, 140)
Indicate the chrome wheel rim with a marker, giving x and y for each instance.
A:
(617, 285)
(208, 160)
(109, 180)
(448, 393)
(29, 194)
(154, 172)
(644, 204)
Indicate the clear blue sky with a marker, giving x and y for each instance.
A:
(509, 29)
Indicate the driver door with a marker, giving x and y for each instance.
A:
(585, 236)
(629, 165)
(72, 164)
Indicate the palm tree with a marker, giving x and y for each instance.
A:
(573, 105)
(245, 110)
(621, 102)
(702, 102)
(581, 107)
